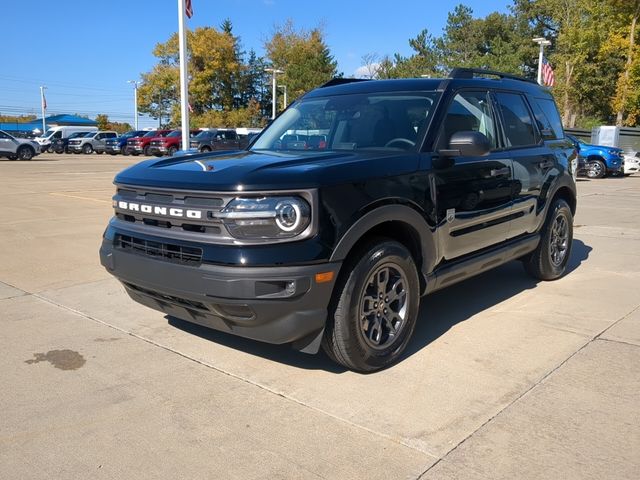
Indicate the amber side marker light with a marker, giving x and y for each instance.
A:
(324, 277)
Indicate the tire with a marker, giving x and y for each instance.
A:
(359, 332)
(172, 151)
(99, 152)
(87, 149)
(596, 169)
(12, 157)
(25, 153)
(549, 260)
(50, 149)
(205, 149)
(146, 151)
(125, 151)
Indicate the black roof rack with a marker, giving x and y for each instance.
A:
(472, 72)
(341, 81)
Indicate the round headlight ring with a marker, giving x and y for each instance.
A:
(288, 216)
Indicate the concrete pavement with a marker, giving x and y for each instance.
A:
(506, 377)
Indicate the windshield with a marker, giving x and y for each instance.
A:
(130, 134)
(48, 133)
(89, 135)
(380, 121)
(204, 134)
(77, 134)
(175, 133)
(153, 133)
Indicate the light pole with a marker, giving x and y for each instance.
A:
(274, 93)
(284, 103)
(43, 107)
(135, 101)
(542, 42)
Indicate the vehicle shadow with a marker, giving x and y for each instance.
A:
(443, 309)
(438, 313)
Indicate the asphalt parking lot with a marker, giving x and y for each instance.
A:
(505, 378)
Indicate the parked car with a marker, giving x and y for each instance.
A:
(117, 145)
(140, 145)
(17, 148)
(91, 142)
(61, 145)
(631, 163)
(58, 133)
(219, 139)
(600, 160)
(168, 144)
(420, 183)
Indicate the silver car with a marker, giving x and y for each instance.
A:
(17, 148)
(91, 142)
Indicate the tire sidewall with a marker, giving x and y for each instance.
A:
(383, 253)
(560, 207)
(21, 153)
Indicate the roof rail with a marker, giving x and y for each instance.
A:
(472, 72)
(341, 81)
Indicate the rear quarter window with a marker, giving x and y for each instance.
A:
(548, 118)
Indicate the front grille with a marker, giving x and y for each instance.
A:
(156, 143)
(152, 210)
(160, 250)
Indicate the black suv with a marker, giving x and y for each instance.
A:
(356, 201)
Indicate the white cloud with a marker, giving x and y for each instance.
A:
(366, 71)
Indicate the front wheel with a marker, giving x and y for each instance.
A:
(87, 148)
(374, 309)
(596, 169)
(172, 151)
(25, 153)
(147, 151)
(549, 260)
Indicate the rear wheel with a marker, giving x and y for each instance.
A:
(596, 169)
(549, 260)
(87, 148)
(25, 153)
(374, 309)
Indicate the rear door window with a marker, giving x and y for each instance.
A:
(516, 119)
(551, 116)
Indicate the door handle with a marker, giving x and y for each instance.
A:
(497, 172)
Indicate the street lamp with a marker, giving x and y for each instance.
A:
(274, 72)
(284, 103)
(542, 42)
(135, 101)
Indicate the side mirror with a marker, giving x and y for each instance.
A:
(467, 143)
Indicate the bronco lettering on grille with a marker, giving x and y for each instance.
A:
(157, 210)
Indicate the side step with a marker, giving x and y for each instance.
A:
(461, 270)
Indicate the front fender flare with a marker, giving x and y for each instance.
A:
(390, 213)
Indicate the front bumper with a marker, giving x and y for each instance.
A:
(112, 149)
(74, 148)
(158, 150)
(271, 304)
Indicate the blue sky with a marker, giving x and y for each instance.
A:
(84, 51)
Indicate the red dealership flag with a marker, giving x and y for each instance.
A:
(188, 8)
(548, 78)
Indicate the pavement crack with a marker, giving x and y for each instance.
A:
(389, 438)
(528, 390)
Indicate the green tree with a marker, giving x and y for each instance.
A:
(303, 55)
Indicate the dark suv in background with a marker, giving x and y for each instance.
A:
(219, 139)
(356, 201)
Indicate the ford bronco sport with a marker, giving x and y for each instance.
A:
(356, 201)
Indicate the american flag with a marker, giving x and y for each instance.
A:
(44, 101)
(548, 78)
(188, 8)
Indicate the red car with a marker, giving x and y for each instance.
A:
(138, 145)
(168, 144)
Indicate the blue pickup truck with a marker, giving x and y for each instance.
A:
(599, 160)
(117, 145)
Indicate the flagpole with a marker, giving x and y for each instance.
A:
(42, 107)
(184, 93)
(542, 42)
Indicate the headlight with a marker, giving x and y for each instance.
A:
(266, 217)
